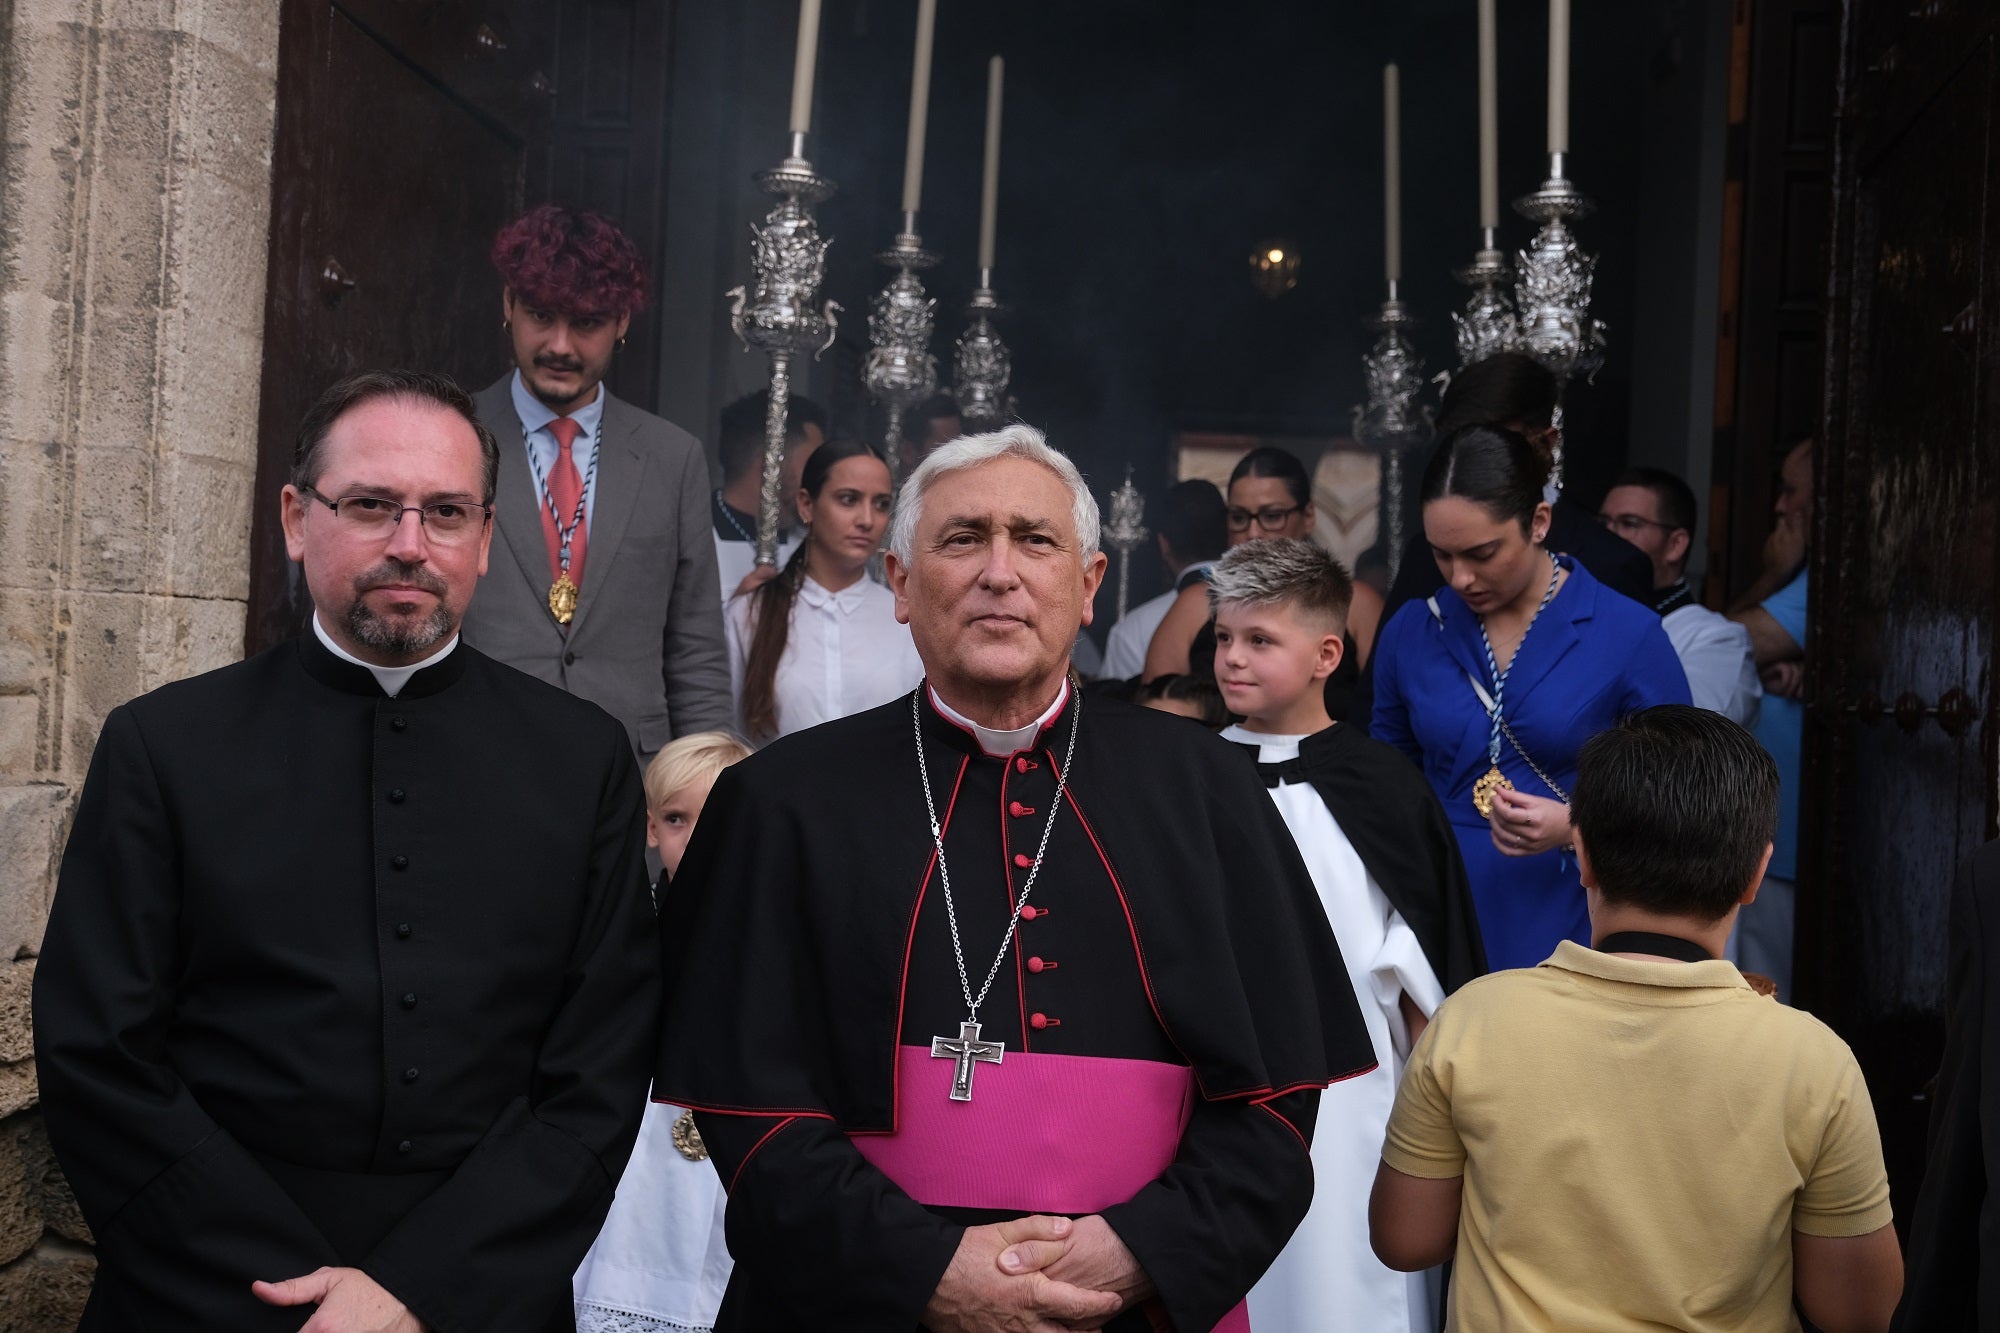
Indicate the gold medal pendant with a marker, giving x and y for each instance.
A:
(562, 599)
(1482, 791)
(687, 1139)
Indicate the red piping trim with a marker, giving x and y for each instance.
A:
(910, 943)
(1304, 1147)
(1131, 926)
(777, 1128)
(759, 1112)
(1014, 931)
(1139, 950)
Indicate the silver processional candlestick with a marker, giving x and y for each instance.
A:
(1552, 293)
(1124, 532)
(901, 372)
(983, 367)
(1487, 324)
(1392, 419)
(783, 315)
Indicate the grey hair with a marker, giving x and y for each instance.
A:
(1289, 570)
(972, 450)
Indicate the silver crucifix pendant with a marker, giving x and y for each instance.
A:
(967, 1049)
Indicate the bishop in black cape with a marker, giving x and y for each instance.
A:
(1171, 1002)
(334, 978)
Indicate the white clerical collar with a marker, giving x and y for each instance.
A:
(535, 413)
(391, 679)
(1003, 743)
(1272, 748)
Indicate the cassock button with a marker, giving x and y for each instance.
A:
(411, 1075)
(1023, 860)
(1030, 912)
(400, 862)
(405, 1146)
(1035, 965)
(410, 1000)
(396, 796)
(1019, 811)
(403, 931)
(397, 723)
(1040, 1021)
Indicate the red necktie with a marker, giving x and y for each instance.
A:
(565, 489)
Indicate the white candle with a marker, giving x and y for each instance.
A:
(803, 61)
(1558, 76)
(1392, 176)
(1489, 119)
(920, 107)
(989, 186)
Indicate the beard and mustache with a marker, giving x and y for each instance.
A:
(402, 636)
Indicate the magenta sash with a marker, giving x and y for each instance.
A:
(1042, 1134)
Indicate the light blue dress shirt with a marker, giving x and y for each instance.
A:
(542, 447)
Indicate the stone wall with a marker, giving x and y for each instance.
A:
(135, 165)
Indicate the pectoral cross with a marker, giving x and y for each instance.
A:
(967, 1049)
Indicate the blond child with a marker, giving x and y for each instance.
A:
(660, 1264)
(1389, 876)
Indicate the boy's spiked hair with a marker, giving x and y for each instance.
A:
(1289, 571)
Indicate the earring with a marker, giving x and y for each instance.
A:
(506, 324)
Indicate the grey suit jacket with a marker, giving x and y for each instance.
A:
(646, 644)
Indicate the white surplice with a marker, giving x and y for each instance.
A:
(844, 653)
(1328, 1277)
(660, 1264)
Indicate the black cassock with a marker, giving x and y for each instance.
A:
(335, 978)
(1391, 815)
(1172, 1003)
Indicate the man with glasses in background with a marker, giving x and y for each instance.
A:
(1655, 511)
(347, 996)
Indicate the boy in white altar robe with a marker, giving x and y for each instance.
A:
(1390, 878)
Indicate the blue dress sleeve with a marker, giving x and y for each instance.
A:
(1653, 674)
(1390, 721)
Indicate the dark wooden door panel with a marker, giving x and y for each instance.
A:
(388, 183)
(1900, 762)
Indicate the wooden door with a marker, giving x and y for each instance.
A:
(1770, 358)
(1900, 758)
(408, 132)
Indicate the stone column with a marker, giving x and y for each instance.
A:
(135, 182)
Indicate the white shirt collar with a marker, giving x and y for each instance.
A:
(536, 414)
(391, 679)
(1003, 743)
(814, 593)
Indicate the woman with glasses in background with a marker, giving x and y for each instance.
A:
(1269, 496)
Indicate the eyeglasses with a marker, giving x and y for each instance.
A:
(449, 522)
(1270, 520)
(1631, 525)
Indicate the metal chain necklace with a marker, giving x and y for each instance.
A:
(1493, 780)
(728, 512)
(966, 1048)
(562, 593)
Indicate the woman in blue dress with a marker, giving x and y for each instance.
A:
(1494, 684)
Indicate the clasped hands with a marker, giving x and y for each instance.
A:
(1037, 1275)
(349, 1302)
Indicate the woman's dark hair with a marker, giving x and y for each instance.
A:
(1505, 389)
(1492, 467)
(1270, 461)
(1201, 691)
(771, 605)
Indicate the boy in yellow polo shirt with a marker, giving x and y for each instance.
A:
(1628, 1137)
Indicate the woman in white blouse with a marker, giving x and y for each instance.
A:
(821, 640)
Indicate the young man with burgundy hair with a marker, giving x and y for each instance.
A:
(603, 578)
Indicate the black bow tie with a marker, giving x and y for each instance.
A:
(1285, 770)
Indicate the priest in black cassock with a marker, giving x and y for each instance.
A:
(1000, 1006)
(350, 984)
